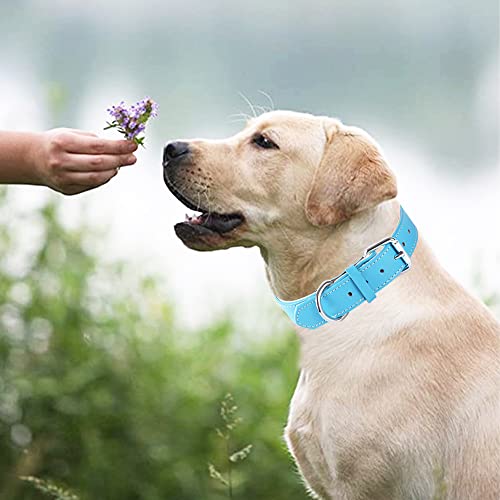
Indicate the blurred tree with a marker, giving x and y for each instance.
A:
(101, 389)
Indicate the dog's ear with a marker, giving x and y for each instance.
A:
(352, 176)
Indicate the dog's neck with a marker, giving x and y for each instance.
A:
(295, 270)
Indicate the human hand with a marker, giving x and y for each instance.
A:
(72, 161)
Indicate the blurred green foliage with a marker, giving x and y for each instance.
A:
(103, 391)
(50, 489)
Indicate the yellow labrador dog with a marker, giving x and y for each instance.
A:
(407, 388)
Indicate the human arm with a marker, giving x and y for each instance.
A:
(66, 160)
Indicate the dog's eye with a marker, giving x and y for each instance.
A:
(264, 142)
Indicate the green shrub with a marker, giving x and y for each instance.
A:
(102, 390)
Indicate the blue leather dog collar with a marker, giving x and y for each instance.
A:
(336, 297)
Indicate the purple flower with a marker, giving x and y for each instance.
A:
(132, 122)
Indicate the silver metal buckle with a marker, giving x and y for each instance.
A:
(319, 293)
(401, 254)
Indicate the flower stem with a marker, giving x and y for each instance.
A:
(229, 472)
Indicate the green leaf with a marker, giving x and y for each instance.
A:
(144, 118)
(110, 125)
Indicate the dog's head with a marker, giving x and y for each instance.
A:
(284, 173)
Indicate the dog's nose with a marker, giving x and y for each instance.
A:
(174, 150)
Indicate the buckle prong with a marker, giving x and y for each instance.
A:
(401, 252)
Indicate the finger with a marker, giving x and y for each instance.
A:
(75, 189)
(91, 179)
(92, 145)
(98, 163)
(82, 132)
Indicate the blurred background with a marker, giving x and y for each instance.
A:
(117, 344)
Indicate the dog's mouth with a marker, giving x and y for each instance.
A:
(205, 230)
(211, 221)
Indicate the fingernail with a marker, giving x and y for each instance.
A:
(132, 146)
(131, 159)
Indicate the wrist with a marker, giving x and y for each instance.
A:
(33, 158)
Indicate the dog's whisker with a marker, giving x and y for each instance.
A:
(269, 98)
(238, 120)
(250, 105)
(246, 116)
(199, 200)
(263, 109)
(205, 192)
(281, 228)
(176, 185)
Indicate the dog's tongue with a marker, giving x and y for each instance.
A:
(195, 219)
